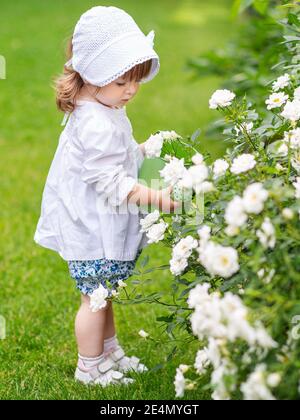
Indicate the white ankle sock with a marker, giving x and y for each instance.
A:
(90, 362)
(111, 343)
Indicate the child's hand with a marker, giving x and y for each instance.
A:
(165, 202)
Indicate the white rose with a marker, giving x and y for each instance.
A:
(204, 232)
(202, 361)
(184, 247)
(297, 93)
(220, 167)
(179, 383)
(254, 198)
(276, 100)
(255, 388)
(197, 159)
(274, 380)
(205, 187)
(232, 231)
(184, 368)
(225, 261)
(169, 135)
(122, 284)
(291, 110)
(156, 232)
(288, 213)
(292, 137)
(219, 260)
(281, 82)
(186, 181)
(221, 98)
(199, 295)
(243, 163)
(198, 174)
(177, 266)
(98, 299)
(214, 350)
(154, 145)
(143, 334)
(235, 214)
(149, 220)
(173, 171)
(266, 234)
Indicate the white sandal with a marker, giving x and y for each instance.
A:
(124, 363)
(102, 374)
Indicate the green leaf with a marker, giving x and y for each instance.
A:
(288, 5)
(235, 8)
(135, 282)
(293, 19)
(184, 281)
(239, 6)
(167, 318)
(158, 367)
(184, 293)
(261, 6)
(170, 328)
(178, 148)
(196, 134)
(162, 267)
(290, 38)
(145, 261)
(171, 355)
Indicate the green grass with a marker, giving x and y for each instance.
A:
(37, 297)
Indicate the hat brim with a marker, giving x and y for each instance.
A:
(119, 58)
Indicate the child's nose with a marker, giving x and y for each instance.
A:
(132, 88)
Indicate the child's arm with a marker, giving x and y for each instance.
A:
(143, 196)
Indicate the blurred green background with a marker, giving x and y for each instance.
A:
(37, 297)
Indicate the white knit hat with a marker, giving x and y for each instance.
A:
(107, 43)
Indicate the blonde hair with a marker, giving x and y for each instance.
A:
(69, 84)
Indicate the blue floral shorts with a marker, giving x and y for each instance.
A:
(89, 274)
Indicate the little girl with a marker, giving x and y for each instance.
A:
(90, 206)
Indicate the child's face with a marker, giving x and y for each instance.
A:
(118, 93)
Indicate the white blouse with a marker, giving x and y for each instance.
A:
(84, 211)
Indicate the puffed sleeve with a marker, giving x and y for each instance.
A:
(104, 157)
(139, 154)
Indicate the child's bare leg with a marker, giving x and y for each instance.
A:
(113, 349)
(93, 365)
(109, 330)
(89, 329)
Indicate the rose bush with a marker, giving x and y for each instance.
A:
(244, 292)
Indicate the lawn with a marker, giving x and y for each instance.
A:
(38, 299)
